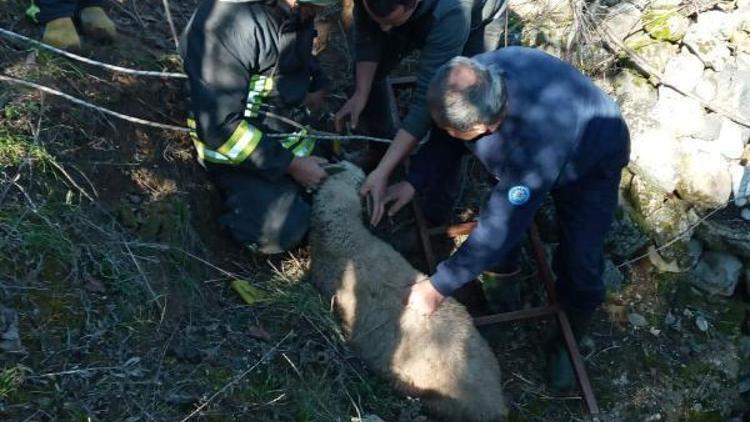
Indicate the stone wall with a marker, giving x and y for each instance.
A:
(681, 74)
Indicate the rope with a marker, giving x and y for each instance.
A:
(93, 106)
(120, 69)
(183, 129)
(680, 235)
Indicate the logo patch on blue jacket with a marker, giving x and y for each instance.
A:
(519, 195)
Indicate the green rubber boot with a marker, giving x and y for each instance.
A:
(502, 290)
(560, 372)
(97, 24)
(61, 33)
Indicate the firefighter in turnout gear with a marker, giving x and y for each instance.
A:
(246, 62)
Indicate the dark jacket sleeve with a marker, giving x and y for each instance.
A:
(369, 39)
(219, 65)
(503, 219)
(445, 41)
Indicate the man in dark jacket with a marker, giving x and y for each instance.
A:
(385, 32)
(539, 126)
(247, 61)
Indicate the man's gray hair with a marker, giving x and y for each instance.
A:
(460, 106)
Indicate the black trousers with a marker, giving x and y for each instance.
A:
(53, 9)
(267, 216)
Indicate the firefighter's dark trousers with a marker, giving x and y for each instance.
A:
(53, 9)
(267, 216)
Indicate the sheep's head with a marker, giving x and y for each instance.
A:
(339, 195)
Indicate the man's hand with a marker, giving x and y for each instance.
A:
(353, 108)
(307, 171)
(375, 185)
(400, 194)
(423, 298)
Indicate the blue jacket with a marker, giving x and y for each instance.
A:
(560, 128)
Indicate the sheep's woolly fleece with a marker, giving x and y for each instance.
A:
(441, 358)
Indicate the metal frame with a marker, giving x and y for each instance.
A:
(552, 309)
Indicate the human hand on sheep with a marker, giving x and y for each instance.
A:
(399, 194)
(423, 298)
(374, 186)
(307, 171)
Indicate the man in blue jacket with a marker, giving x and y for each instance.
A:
(539, 126)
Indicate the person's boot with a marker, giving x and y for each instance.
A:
(560, 371)
(502, 290)
(97, 24)
(61, 33)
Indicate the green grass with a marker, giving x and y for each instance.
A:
(10, 379)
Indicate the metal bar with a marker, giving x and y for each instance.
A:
(537, 249)
(538, 312)
(562, 318)
(403, 80)
(454, 230)
(429, 255)
(578, 365)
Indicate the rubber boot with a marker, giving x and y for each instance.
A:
(560, 372)
(61, 33)
(502, 290)
(97, 24)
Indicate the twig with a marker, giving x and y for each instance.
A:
(606, 349)
(171, 24)
(238, 378)
(294, 367)
(679, 236)
(70, 179)
(186, 253)
(92, 62)
(143, 276)
(76, 371)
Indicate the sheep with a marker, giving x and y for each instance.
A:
(441, 358)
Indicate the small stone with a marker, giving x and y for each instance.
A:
(637, 320)
(10, 340)
(701, 323)
(688, 313)
(622, 380)
(669, 319)
(717, 273)
(654, 331)
(612, 277)
(745, 214)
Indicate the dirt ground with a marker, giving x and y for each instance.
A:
(124, 305)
